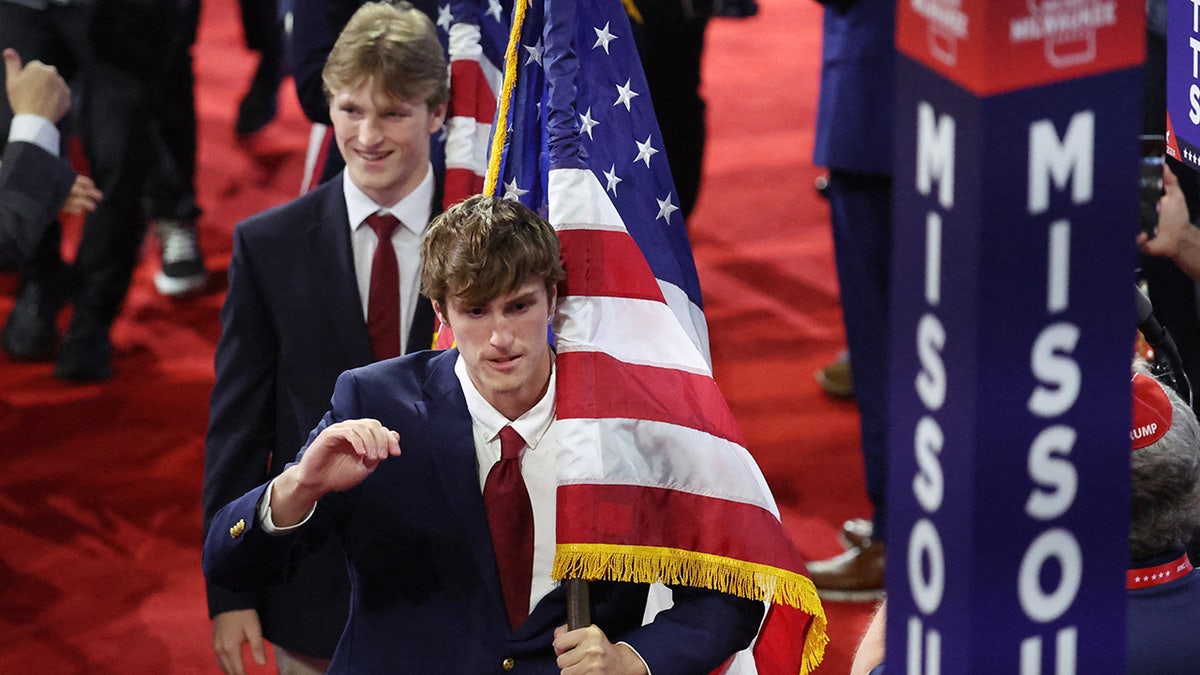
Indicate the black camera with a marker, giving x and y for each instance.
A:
(1150, 181)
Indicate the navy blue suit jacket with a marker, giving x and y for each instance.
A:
(1162, 624)
(291, 323)
(425, 591)
(33, 186)
(854, 115)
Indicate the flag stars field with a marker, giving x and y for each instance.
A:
(535, 54)
(586, 123)
(625, 94)
(512, 192)
(603, 37)
(495, 11)
(611, 180)
(645, 152)
(666, 208)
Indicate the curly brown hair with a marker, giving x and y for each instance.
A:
(485, 246)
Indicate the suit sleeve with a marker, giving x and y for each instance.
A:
(241, 426)
(33, 186)
(698, 633)
(240, 557)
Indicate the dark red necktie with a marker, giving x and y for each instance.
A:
(383, 299)
(510, 519)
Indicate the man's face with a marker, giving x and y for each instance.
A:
(504, 345)
(384, 140)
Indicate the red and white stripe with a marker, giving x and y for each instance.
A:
(474, 83)
(643, 426)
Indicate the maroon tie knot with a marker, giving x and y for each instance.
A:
(384, 225)
(511, 443)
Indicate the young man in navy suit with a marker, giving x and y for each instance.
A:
(399, 472)
(302, 290)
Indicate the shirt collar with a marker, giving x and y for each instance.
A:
(532, 425)
(1158, 570)
(413, 210)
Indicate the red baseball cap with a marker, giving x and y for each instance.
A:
(1151, 411)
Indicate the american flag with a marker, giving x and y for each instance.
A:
(655, 484)
(475, 34)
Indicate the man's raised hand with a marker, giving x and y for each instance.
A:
(340, 457)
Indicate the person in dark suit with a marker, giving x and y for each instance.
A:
(854, 140)
(263, 30)
(112, 48)
(670, 44)
(35, 183)
(170, 191)
(401, 472)
(297, 310)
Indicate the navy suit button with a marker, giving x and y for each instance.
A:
(508, 664)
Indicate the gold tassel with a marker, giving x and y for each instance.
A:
(648, 564)
(504, 104)
(632, 10)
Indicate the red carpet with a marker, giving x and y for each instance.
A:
(100, 484)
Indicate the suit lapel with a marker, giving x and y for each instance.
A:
(328, 241)
(420, 336)
(456, 464)
(333, 266)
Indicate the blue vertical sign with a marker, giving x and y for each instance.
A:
(1012, 334)
(1183, 82)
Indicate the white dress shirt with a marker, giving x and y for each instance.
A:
(537, 466)
(35, 129)
(413, 212)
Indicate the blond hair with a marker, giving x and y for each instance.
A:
(397, 46)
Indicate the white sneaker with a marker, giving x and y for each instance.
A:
(182, 263)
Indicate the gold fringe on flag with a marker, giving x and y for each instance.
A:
(648, 564)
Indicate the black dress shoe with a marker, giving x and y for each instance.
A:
(30, 333)
(85, 356)
(261, 103)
